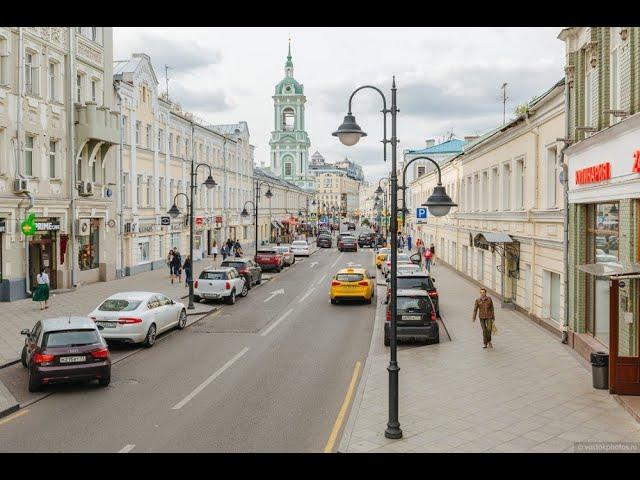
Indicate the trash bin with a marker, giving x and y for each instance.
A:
(600, 370)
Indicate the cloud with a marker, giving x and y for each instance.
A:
(201, 99)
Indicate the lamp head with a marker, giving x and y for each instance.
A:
(379, 190)
(244, 212)
(349, 133)
(439, 203)
(174, 211)
(268, 194)
(210, 182)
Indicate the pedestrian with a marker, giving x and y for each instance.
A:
(278, 240)
(187, 270)
(169, 259)
(428, 260)
(41, 293)
(484, 308)
(177, 265)
(409, 242)
(224, 251)
(229, 245)
(433, 249)
(214, 250)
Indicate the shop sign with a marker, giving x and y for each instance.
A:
(146, 228)
(636, 161)
(596, 173)
(165, 220)
(3, 227)
(48, 226)
(199, 220)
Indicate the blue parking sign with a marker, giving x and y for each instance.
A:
(421, 213)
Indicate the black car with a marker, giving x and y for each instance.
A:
(417, 281)
(347, 243)
(250, 270)
(351, 226)
(324, 241)
(416, 318)
(369, 240)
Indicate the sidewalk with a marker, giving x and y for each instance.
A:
(529, 393)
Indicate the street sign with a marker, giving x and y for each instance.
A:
(165, 220)
(421, 213)
(199, 221)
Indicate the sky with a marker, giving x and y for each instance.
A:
(449, 79)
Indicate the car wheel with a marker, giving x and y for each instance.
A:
(245, 290)
(182, 320)
(367, 301)
(387, 342)
(197, 298)
(334, 301)
(278, 270)
(34, 384)
(150, 339)
(104, 381)
(231, 299)
(23, 357)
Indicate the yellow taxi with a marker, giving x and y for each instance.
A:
(381, 256)
(352, 283)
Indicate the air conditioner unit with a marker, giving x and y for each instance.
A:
(84, 227)
(20, 186)
(85, 189)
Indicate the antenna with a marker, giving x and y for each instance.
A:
(166, 78)
(504, 102)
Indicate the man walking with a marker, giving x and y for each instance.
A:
(409, 242)
(484, 307)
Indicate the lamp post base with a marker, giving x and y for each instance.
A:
(393, 433)
(393, 430)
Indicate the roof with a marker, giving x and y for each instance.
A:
(496, 237)
(218, 269)
(135, 294)
(64, 323)
(236, 260)
(419, 273)
(272, 179)
(412, 292)
(351, 270)
(450, 146)
(230, 128)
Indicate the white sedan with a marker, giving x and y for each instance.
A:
(300, 248)
(138, 317)
(401, 258)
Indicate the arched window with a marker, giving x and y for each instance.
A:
(288, 119)
(287, 169)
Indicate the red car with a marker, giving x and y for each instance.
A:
(269, 259)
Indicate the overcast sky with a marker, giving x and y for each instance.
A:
(448, 79)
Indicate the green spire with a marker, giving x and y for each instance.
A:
(289, 62)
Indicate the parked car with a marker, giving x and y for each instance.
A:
(288, 258)
(65, 349)
(246, 267)
(352, 283)
(370, 240)
(351, 226)
(347, 243)
(300, 248)
(138, 317)
(324, 241)
(381, 256)
(416, 317)
(269, 259)
(407, 268)
(341, 235)
(417, 281)
(400, 258)
(220, 283)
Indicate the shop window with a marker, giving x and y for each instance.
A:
(144, 251)
(89, 247)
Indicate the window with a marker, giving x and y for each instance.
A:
(160, 136)
(149, 136)
(28, 155)
(93, 171)
(551, 295)
(178, 148)
(288, 119)
(614, 70)
(143, 250)
(485, 190)
(588, 111)
(31, 78)
(138, 127)
(89, 246)
(171, 190)
(149, 191)
(161, 201)
(4, 62)
(52, 159)
(421, 170)
(495, 188)
(78, 88)
(94, 34)
(144, 94)
(125, 128)
(288, 169)
(476, 193)
(125, 189)
(506, 186)
(553, 182)
(519, 180)
(52, 82)
(171, 143)
(94, 91)
(138, 191)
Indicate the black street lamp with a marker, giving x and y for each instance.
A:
(245, 214)
(349, 134)
(174, 211)
(380, 191)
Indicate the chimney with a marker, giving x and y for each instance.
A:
(431, 142)
(470, 138)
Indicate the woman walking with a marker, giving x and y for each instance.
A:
(169, 260)
(42, 291)
(214, 250)
(176, 264)
(187, 270)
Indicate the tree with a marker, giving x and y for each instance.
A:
(365, 222)
(521, 109)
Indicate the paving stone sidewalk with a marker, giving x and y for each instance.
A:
(529, 393)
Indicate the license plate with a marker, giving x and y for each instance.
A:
(107, 324)
(211, 295)
(411, 317)
(76, 359)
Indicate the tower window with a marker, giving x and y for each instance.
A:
(288, 119)
(287, 169)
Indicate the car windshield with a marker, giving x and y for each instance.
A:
(237, 265)
(418, 283)
(413, 304)
(70, 338)
(408, 267)
(348, 239)
(119, 305)
(349, 277)
(299, 244)
(213, 276)
(282, 249)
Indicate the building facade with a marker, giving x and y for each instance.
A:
(603, 72)
(507, 231)
(289, 140)
(337, 186)
(58, 130)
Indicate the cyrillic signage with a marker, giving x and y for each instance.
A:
(596, 173)
(636, 161)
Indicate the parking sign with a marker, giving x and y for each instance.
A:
(421, 213)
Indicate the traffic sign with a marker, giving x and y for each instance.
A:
(165, 220)
(421, 213)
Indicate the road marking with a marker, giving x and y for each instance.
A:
(127, 448)
(275, 324)
(336, 260)
(273, 294)
(343, 410)
(313, 264)
(204, 384)
(321, 279)
(14, 416)
(306, 295)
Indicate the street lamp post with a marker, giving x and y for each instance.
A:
(174, 211)
(245, 213)
(349, 134)
(380, 191)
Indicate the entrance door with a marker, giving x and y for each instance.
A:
(624, 360)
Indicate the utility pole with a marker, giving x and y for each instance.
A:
(504, 103)
(166, 78)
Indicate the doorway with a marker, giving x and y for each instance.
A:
(42, 254)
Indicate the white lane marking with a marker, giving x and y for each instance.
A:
(307, 295)
(204, 384)
(127, 448)
(313, 264)
(336, 260)
(321, 279)
(273, 294)
(275, 324)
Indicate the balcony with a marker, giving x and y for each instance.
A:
(96, 125)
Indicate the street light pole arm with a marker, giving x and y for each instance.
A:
(185, 196)
(204, 165)
(422, 157)
(384, 114)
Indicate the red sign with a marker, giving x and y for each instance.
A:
(218, 219)
(199, 220)
(636, 161)
(597, 173)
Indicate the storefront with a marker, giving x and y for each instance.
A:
(604, 198)
(43, 248)
(89, 244)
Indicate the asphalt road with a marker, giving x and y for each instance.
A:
(268, 374)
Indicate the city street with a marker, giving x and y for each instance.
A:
(267, 374)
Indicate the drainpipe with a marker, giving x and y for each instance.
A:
(532, 269)
(121, 183)
(72, 153)
(19, 103)
(565, 240)
(225, 186)
(27, 277)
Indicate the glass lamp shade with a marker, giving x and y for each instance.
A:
(379, 190)
(244, 212)
(349, 132)
(210, 182)
(174, 211)
(268, 194)
(439, 203)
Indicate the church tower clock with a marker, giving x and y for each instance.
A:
(289, 141)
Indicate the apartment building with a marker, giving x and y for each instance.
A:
(337, 185)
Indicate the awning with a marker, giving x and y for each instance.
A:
(495, 237)
(276, 224)
(611, 269)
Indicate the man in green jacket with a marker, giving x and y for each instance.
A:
(484, 307)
